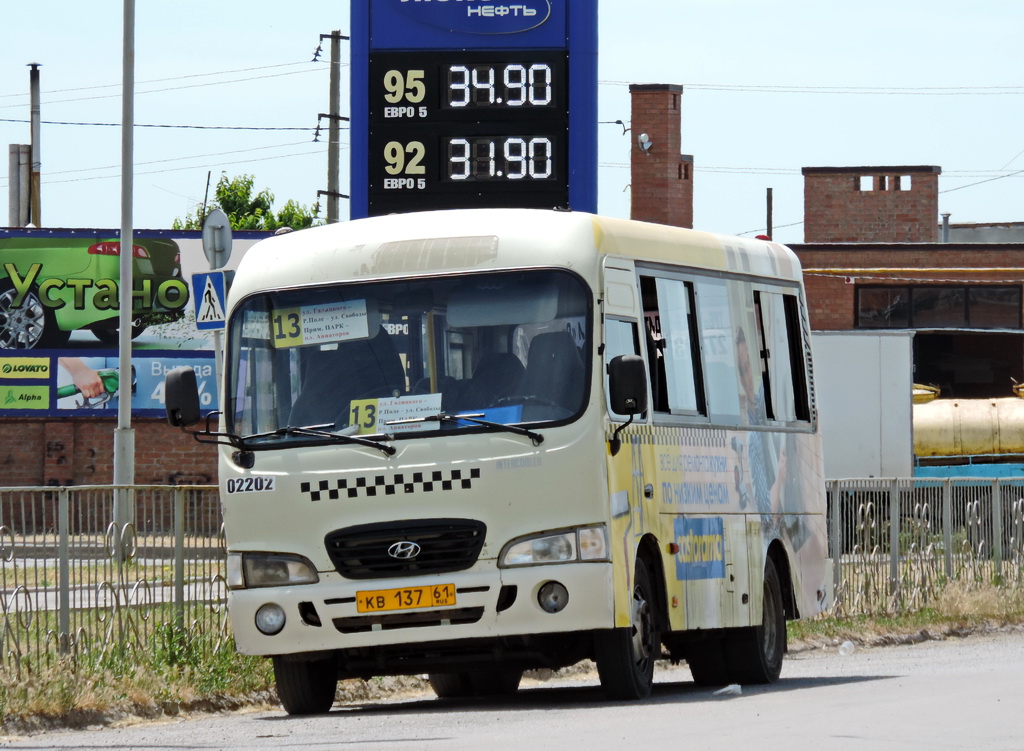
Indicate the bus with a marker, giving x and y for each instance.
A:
(471, 443)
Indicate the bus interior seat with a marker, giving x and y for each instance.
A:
(332, 378)
(449, 388)
(554, 370)
(497, 375)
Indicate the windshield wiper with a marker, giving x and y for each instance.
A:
(317, 431)
(473, 418)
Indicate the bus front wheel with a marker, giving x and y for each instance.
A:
(625, 656)
(755, 653)
(305, 686)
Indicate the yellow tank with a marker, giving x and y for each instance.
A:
(964, 427)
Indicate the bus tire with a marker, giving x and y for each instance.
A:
(497, 682)
(755, 653)
(625, 656)
(706, 660)
(450, 685)
(305, 686)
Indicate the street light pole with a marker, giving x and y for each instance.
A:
(124, 436)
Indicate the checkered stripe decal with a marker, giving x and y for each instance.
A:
(381, 485)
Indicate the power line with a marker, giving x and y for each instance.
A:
(183, 158)
(159, 125)
(162, 80)
(169, 88)
(319, 152)
(850, 90)
(981, 182)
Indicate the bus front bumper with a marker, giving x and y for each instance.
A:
(338, 613)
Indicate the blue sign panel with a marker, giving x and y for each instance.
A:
(473, 103)
(701, 548)
(208, 295)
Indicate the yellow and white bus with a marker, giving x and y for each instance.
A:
(471, 443)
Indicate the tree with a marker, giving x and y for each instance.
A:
(234, 196)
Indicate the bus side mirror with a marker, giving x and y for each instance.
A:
(181, 397)
(627, 384)
(627, 392)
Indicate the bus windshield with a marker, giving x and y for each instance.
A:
(391, 357)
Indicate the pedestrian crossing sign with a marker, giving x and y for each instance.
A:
(208, 295)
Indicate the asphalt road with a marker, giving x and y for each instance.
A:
(951, 694)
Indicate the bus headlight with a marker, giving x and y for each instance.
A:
(251, 570)
(580, 544)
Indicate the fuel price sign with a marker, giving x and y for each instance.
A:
(491, 122)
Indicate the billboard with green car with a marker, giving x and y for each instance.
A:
(59, 317)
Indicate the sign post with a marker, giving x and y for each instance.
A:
(217, 246)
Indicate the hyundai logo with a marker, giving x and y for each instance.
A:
(404, 550)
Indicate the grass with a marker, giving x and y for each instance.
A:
(956, 609)
(175, 673)
(180, 671)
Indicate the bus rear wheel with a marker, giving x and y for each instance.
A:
(498, 682)
(625, 656)
(755, 653)
(305, 686)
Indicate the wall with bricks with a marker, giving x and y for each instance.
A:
(661, 177)
(871, 204)
(77, 451)
(827, 269)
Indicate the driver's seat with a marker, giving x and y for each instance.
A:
(554, 370)
(332, 378)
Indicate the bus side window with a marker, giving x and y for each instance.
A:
(676, 380)
(782, 361)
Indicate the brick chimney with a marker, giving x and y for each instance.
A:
(661, 177)
(871, 204)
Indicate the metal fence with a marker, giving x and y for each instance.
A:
(896, 543)
(87, 570)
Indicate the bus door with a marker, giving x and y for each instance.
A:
(630, 483)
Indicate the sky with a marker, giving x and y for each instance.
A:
(769, 88)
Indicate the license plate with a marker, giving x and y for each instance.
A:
(407, 598)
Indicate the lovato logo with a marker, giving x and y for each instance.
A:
(25, 367)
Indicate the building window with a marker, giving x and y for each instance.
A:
(938, 307)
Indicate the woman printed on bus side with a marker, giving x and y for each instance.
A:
(765, 470)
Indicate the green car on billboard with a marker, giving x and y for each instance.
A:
(52, 286)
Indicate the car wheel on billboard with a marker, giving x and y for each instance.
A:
(30, 325)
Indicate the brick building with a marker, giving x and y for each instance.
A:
(79, 451)
(662, 177)
(871, 255)
(873, 261)
(871, 204)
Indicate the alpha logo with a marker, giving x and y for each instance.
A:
(405, 550)
(25, 367)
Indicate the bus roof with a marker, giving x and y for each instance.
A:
(488, 239)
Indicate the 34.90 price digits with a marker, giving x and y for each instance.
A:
(512, 85)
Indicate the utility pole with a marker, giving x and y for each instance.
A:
(770, 210)
(334, 118)
(35, 181)
(124, 435)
